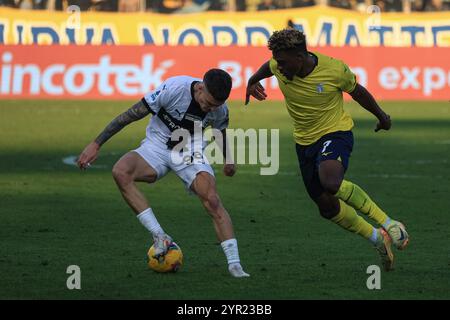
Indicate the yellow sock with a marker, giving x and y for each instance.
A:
(354, 196)
(348, 219)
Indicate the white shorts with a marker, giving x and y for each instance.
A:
(160, 158)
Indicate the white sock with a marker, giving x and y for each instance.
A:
(373, 238)
(230, 249)
(148, 220)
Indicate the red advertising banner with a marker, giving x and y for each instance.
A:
(128, 72)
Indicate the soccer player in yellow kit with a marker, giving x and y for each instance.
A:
(312, 85)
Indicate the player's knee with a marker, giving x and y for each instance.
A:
(331, 185)
(212, 202)
(121, 175)
(328, 214)
(328, 207)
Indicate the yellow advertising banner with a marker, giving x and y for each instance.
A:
(323, 26)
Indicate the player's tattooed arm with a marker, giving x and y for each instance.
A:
(91, 151)
(136, 112)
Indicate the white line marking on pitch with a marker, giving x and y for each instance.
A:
(72, 161)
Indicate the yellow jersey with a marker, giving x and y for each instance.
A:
(315, 102)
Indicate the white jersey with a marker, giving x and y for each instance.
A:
(173, 106)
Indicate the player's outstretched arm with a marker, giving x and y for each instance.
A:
(367, 101)
(90, 153)
(254, 88)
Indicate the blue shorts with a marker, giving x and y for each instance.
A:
(332, 146)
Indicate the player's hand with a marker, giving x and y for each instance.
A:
(383, 123)
(88, 155)
(255, 90)
(229, 169)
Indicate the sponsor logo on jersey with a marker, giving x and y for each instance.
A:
(320, 88)
(192, 117)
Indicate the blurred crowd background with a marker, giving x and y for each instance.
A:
(191, 6)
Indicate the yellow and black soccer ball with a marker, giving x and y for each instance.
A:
(170, 262)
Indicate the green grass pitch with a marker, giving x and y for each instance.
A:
(52, 215)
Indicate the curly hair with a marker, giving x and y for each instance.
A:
(287, 39)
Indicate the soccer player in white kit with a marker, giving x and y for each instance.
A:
(178, 103)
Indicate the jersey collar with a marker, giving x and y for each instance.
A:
(316, 63)
(194, 102)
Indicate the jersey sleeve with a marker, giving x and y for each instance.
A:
(273, 66)
(157, 99)
(347, 79)
(221, 118)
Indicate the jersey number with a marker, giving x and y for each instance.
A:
(325, 145)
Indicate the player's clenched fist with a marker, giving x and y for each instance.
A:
(229, 169)
(384, 122)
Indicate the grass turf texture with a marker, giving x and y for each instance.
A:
(52, 215)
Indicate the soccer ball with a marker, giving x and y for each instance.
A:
(170, 262)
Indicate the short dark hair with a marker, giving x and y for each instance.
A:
(286, 40)
(218, 83)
